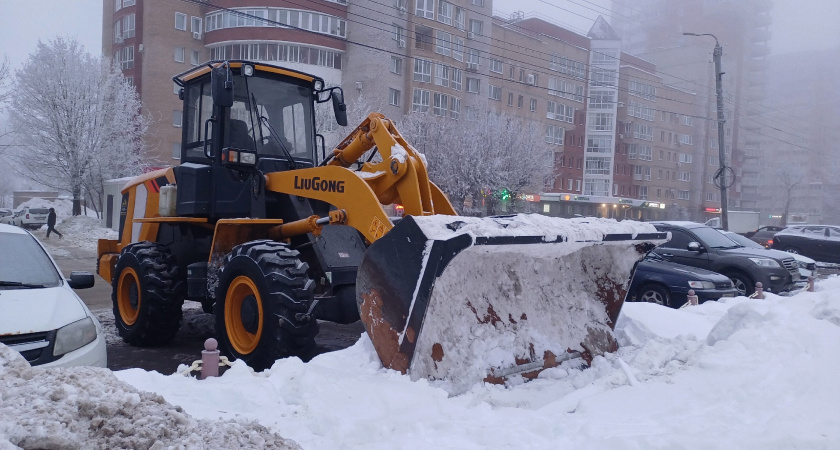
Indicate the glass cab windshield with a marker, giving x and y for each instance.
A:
(268, 113)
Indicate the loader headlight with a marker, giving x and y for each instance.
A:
(765, 262)
(247, 70)
(74, 336)
(701, 285)
(247, 158)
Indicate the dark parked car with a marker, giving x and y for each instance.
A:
(657, 280)
(820, 242)
(764, 234)
(697, 245)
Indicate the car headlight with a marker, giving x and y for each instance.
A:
(73, 336)
(701, 285)
(765, 262)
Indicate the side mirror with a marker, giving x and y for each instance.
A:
(221, 85)
(339, 108)
(694, 247)
(81, 280)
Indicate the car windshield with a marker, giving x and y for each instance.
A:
(713, 238)
(745, 241)
(23, 263)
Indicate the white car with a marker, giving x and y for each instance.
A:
(40, 315)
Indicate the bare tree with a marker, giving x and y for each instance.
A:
(788, 181)
(76, 118)
(473, 158)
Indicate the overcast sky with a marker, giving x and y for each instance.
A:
(797, 24)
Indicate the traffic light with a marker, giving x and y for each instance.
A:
(504, 194)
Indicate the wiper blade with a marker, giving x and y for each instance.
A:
(21, 285)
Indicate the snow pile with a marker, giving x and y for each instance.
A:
(91, 408)
(734, 374)
(81, 231)
(578, 229)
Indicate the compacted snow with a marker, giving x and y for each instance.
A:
(739, 373)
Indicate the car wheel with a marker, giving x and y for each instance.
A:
(148, 294)
(653, 293)
(793, 250)
(742, 283)
(262, 304)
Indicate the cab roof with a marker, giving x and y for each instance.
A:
(204, 69)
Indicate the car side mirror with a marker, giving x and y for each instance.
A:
(81, 280)
(694, 247)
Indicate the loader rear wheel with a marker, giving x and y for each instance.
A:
(262, 300)
(147, 295)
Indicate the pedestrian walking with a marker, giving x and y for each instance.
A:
(51, 224)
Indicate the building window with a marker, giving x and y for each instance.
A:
(424, 37)
(455, 77)
(443, 43)
(422, 70)
(458, 49)
(510, 98)
(128, 26)
(598, 165)
(477, 2)
(396, 65)
(599, 145)
(399, 35)
(602, 77)
(520, 101)
(554, 135)
(684, 176)
(444, 12)
(460, 18)
(684, 195)
(473, 58)
(601, 99)
(454, 108)
(476, 26)
(495, 66)
(643, 192)
(176, 118)
(570, 181)
(601, 121)
(394, 97)
(180, 21)
(425, 8)
(420, 100)
(179, 54)
(533, 105)
(195, 24)
(440, 105)
(495, 92)
(472, 85)
(686, 139)
(195, 57)
(176, 150)
(442, 75)
(577, 182)
(685, 158)
(127, 57)
(643, 90)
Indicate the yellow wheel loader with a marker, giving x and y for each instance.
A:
(271, 234)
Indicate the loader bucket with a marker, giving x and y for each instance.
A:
(463, 299)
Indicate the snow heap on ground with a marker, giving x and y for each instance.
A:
(89, 407)
(737, 373)
(81, 231)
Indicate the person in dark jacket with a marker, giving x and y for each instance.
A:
(51, 224)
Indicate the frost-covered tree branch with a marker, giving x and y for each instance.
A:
(76, 118)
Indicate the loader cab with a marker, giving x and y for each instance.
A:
(241, 120)
(271, 108)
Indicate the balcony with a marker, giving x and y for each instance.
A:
(759, 50)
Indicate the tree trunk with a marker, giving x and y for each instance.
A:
(77, 200)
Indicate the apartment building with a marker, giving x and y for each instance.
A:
(155, 40)
(653, 30)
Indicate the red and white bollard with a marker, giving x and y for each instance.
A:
(692, 298)
(759, 291)
(210, 359)
(810, 284)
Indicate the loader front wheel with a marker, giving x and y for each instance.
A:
(262, 300)
(147, 295)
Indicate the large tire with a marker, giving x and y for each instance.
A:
(742, 282)
(262, 300)
(147, 294)
(654, 293)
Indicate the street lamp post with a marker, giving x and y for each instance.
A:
(721, 174)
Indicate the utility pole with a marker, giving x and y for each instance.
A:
(720, 176)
